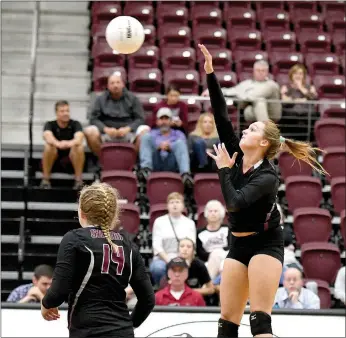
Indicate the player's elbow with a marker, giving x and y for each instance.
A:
(234, 204)
(151, 301)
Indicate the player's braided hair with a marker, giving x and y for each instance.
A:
(99, 203)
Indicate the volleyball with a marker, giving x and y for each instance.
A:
(125, 34)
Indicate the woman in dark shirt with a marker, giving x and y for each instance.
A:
(249, 184)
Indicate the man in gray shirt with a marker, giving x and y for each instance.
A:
(253, 94)
(115, 115)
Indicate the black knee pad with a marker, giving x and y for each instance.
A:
(227, 329)
(260, 323)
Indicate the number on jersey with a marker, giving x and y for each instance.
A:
(111, 256)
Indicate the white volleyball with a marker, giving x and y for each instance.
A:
(125, 34)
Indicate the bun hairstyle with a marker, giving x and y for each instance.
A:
(221, 208)
(99, 203)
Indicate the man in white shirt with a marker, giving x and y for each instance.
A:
(339, 287)
(293, 295)
(254, 92)
(167, 231)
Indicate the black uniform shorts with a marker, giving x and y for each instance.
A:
(269, 242)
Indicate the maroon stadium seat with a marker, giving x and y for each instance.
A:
(283, 41)
(307, 23)
(206, 16)
(232, 111)
(334, 162)
(147, 80)
(149, 101)
(330, 110)
(332, 8)
(266, 5)
(145, 57)
(174, 36)
(124, 181)
(150, 35)
(105, 12)
(274, 20)
(186, 80)
(222, 59)
(325, 128)
(101, 74)
(339, 42)
(177, 15)
(335, 22)
(343, 225)
(227, 79)
(314, 42)
(338, 192)
(312, 225)
(161, 184)
(242, 39)
(303, 191)
(282, 61)
(323, 292)
(104, 56)
(289, 166)
(305, 7)
(144, 13)
(213, 37)
(240, 18)
(234, 5)
(178, 58)
(192, 121)
(207, 187)
(203, 4)
(320, 260)
(330, 86)
(194, 106)
(322, 64)
(158, 210)
(117, 156)
(130, 218)
(244, 60)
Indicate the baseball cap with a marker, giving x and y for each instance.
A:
(164, 111)
(177, 262)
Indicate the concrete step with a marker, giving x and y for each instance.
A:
(15, 63)
(62, 65)
(16, 22)
(12, 85)
(16, 41)
(18, 133)
(74, 7)
(17, 6)
(62, 43)
(64, 24)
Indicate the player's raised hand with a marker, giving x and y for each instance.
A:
(208, 64)
(222, 158)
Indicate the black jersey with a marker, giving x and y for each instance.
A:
(250, 197)
(93, 278)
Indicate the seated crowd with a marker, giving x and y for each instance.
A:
(164, 143)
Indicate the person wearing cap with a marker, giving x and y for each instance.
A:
(177, 293)
(165, 149)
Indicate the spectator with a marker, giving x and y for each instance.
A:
(179, 109)
(293, 295)
(296, 94)
(167, 232)
(63, 145)
(198, 278)
(165, 149)
(115, 116)
(35, 291)
(201, 139)
(214, 240)
(177, 293)
(253, 92)
(339, 287)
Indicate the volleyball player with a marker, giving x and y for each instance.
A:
(94, 266)
(250, 184)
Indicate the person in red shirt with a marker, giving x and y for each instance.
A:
(177, 293)
(178, 108)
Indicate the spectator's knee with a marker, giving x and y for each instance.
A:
(179, 144)
(50, 149)
(78, 148)
(92, 131)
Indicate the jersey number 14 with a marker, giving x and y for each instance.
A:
(109, 255)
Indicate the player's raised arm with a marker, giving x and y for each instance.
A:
(218, 103)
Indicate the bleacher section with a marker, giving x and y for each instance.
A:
(241, 33)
